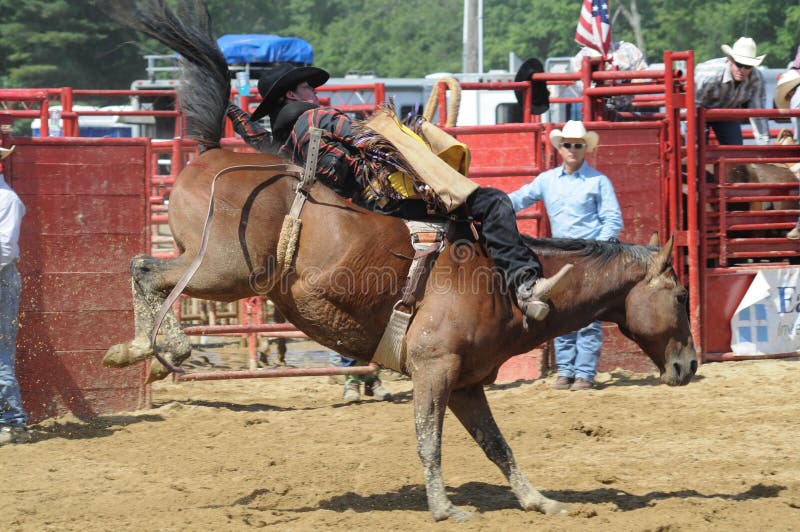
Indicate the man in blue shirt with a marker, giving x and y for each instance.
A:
(580, 203)
(13, 418)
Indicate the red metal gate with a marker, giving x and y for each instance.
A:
(87, 212)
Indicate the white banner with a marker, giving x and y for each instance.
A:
(767, 320)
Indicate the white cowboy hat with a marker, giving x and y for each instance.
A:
(5, 152)
(575, 129)
(786, 82)
(744, 52)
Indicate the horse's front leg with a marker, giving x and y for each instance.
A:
(432, 383)
(471, 408)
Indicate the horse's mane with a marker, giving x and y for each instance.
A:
(600, 251)
(205, 80)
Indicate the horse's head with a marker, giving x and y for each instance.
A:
(656, 318)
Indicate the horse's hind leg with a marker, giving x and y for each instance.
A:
(431, 390)
(151, 279)
(471, 408)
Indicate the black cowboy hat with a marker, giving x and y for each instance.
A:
(540, 98)
(284, 78)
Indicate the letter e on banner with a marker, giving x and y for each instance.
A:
(767, 320)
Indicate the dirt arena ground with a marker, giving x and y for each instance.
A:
(719, 454)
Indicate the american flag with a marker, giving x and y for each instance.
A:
(594, 30)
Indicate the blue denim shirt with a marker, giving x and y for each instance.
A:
(579, 205)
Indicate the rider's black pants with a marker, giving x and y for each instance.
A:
(492, 208)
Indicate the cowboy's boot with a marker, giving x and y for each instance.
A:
(375, 388)
(533, 296)
(351, 391)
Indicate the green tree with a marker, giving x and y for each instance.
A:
(52, 43)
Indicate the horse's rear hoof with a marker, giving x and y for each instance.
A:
(552, 507)
(452, 512)
(157, 372)
(123, 355)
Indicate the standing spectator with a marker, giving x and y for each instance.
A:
(624, 56)
(13, 418)
(352, 383)
(580, 203)
(733, 82)
(788, 97)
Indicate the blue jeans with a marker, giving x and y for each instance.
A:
(346, 362)
(729, 133)
(11, 411)
(577, 353)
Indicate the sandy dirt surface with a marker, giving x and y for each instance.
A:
(719, 454)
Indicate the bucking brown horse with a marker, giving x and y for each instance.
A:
(350, 267)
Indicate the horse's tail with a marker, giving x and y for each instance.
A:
(205, 86)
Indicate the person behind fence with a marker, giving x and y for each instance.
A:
(373, 387)
(580, 203)
(788, 97)
(358, 165)
(624, 56)
(733, 82)
(13, 418)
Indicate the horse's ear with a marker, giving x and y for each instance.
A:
(654, 241)
(663, 258)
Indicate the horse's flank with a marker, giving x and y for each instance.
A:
(351, 265)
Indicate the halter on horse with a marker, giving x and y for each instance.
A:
(350, 267)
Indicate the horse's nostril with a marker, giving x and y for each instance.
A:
(694, 366)
(677, 367)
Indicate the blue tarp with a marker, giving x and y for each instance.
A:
(261, 48)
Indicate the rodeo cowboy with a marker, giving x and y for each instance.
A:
(354, 161)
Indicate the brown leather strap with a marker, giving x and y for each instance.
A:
(309, 173)
(416, 273)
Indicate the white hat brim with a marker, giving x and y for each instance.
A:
(590, 137)
(743, 59)
(782, 93)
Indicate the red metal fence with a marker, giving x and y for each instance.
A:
(660, 176)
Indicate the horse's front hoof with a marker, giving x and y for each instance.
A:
(123, 355)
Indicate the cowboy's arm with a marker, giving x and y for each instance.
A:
(527, 195)
(609, 212)
(760, 130)
(758, 100)
(706, 84)
(253, 133)
(336, 165)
